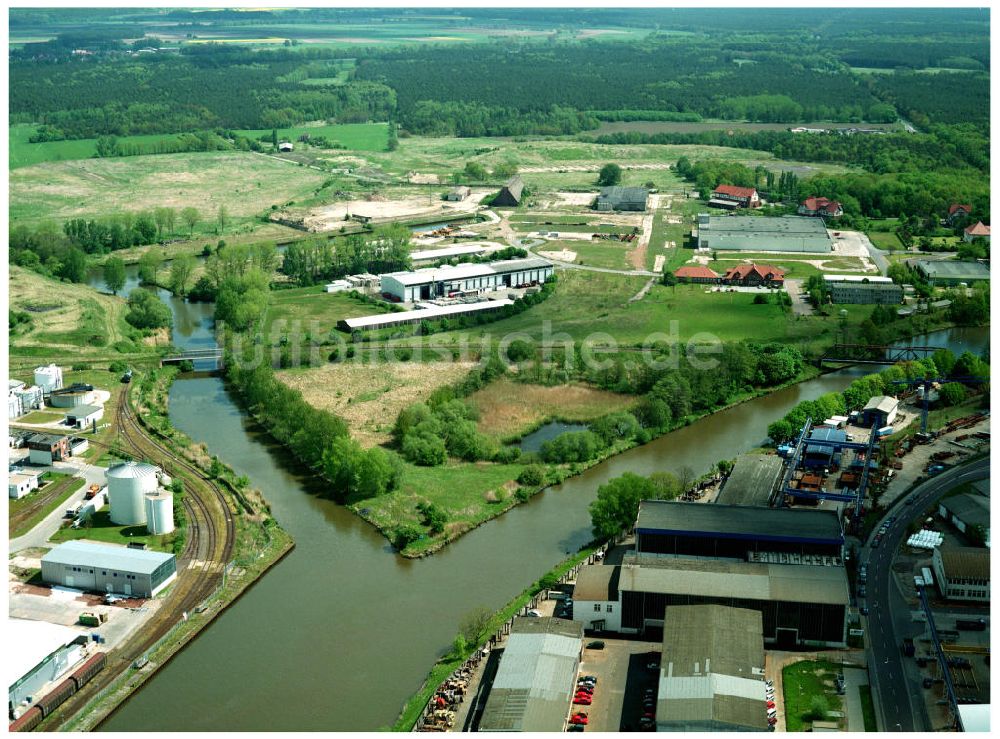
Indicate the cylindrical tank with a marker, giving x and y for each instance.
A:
(160, 512)
(127, 484)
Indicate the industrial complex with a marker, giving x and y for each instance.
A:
(750, 233)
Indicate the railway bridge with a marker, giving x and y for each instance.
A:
(875, 353)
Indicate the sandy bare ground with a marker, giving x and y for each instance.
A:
(369, 397)
(564, 255)
(561, 235)
(576, 198)
(591, 167)
(658, 263)
(418, 178)
(637, 257)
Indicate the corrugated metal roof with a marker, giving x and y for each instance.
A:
(717, 578)
(752, 480)
(466, 271)
(84, 553)
(424, 314)
(84, 410)
(966, 562)
(884, 403)
(597, 582)
(533, 687)
(953, 269)
(970, 508)
(29, 642)
(751, 521)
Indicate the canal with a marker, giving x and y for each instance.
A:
(342, 631)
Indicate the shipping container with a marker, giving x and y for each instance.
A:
(83, 674)
(27, 721)
(884, 431)
(928, 578)
(55, 697)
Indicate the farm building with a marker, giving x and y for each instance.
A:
(622, 198)
(712, 670)
(879, 411)
(72, 396)
(978, 231)
(535, 681)
(457, 194)
(47, 448)
(286, 146)
(679, 529)
(963, 573)
(49, 378)
(337, 286)
(754, 275)
(446, 281)
(423, 312)
(958, 212)
(753, 480)
(106, 568)
(21, 483)
(510, 194)
(748, 233)
(951, 272)
(83, 416)
(863, 290)
(730, 196)
(37, 654)
(966, 512)
(822, 207)
(800, 604)
(696, 274)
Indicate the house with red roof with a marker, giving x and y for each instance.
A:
(979, 231)
(822, 207)
(696, 273)
(730, 196)
(755, 275)
(958, 212)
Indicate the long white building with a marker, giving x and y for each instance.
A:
(435, 282)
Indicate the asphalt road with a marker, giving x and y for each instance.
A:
(889, 615)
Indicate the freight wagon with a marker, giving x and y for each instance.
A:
(88, 669)
(55, 697)
(28, 720)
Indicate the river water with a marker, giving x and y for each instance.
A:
(342, 631)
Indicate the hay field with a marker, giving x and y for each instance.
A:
(369, 397)
(246, 183)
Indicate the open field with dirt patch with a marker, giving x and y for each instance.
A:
(310, 312)
(508, 409)
(369, 397)
(610, 127)
(64, 317)
(246, 184)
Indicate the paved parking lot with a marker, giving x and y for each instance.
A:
(621, 674)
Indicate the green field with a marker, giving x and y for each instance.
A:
(246, 184)
(101, 528)
(806, 684)
(23, 154)
(310, 311)
(607, 254)
(41, 417)
(354, 136)
(885, 240)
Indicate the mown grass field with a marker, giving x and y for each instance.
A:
(509, 409)
(309, 313)
(608, 254)
(24, 154)
(246, 184)
(355, 136)
(885, 240)
(100, 528)
(805, 682)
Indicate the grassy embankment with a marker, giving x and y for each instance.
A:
(868, 708)
(101, 528)
(56, 486)
(810, 693)
(447, 664)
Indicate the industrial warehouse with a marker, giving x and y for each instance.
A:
(464, 279)
(749, 233)
(106, 568)
(533, 687)
(863, 290)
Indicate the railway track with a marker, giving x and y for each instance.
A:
(211, 537)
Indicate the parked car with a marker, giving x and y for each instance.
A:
(582, 700)
(592, 678)
(579, 718)
(575, 727)
(595, 645)
(533, 613)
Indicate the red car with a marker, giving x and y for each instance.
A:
(579, 718)
(770, 704)
(584, 689)
(581, 700)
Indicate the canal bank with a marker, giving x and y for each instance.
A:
(343, 631)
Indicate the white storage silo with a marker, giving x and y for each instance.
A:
(49, 378)
(127, 484)
(160, 512)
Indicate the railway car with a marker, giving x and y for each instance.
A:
(55, 697)
(28, 720)
(83, 674)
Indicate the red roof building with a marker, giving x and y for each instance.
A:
(731, 196)
(958, 212)
(823, 207)
(752, 275)
(979, 231)
(696, 273)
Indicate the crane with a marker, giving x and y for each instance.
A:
(927, 382)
